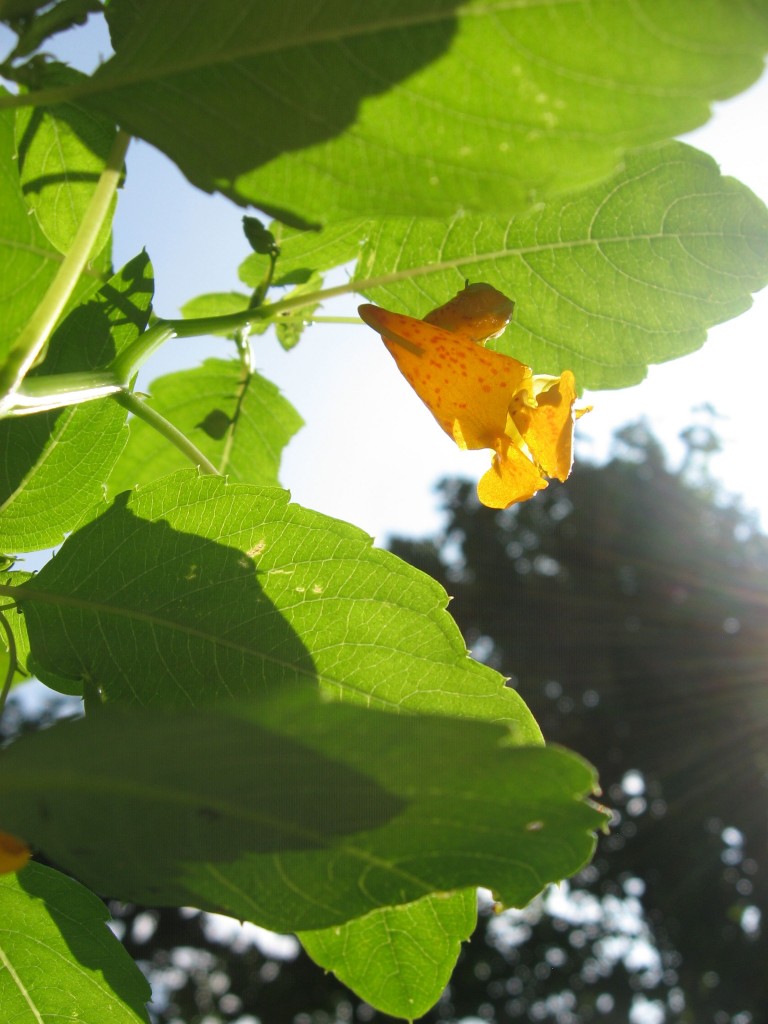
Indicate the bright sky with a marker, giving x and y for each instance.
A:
(371, 453)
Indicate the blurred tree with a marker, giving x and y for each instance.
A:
(628, 608)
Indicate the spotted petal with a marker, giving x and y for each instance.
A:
(467, 388)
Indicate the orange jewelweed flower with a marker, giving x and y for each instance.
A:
(484, 399)
(14, 853)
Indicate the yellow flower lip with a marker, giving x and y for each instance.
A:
(481, 398)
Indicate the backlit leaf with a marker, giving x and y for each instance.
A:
(28, 261)
(215, 304)
(416, 107)
(62, 152)
(60, 962)
(302, 252)
(296, 813)
(193, 590)
(55, 464)
(239, 420)
(16, 624)
(627, 273)
(399, 959)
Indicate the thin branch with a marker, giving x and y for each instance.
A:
(163, 426)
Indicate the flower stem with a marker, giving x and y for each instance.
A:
(330, 319)
(161, 331)
(35, 334)
(163, 426)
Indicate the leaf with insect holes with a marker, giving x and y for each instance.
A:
(416, 107)
(126, 608)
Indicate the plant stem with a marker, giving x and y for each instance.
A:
(35, 334)
(54, 391)
(331, 319)
(136, 354)
(161, 331)
(230, 322)
(163, 426)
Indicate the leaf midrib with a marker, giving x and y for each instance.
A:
(61, 426)
(101, 83)
(20, 986)
(22, 592)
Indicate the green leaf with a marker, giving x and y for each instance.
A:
(62, 152)
(19, 676)
(55, 464)
(297, 813)
(416, 107)
(239, 420)
(215, 304)
(624, 274)
(260, 239)
(399, 959)
(193, 590)
(304, 252)
(59, 961)
(18, 627)
(28, 261)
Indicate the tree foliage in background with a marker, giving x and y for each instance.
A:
(281, 723)
(658, 585)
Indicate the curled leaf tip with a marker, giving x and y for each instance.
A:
(481, 398)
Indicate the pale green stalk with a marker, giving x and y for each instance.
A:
(32, 340)
(164, 427)
(42, 394)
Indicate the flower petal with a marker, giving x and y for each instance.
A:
(483, 399)
(548, 429)
(478, 313)
(14, 853)
(511, 478)
(466, 388)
